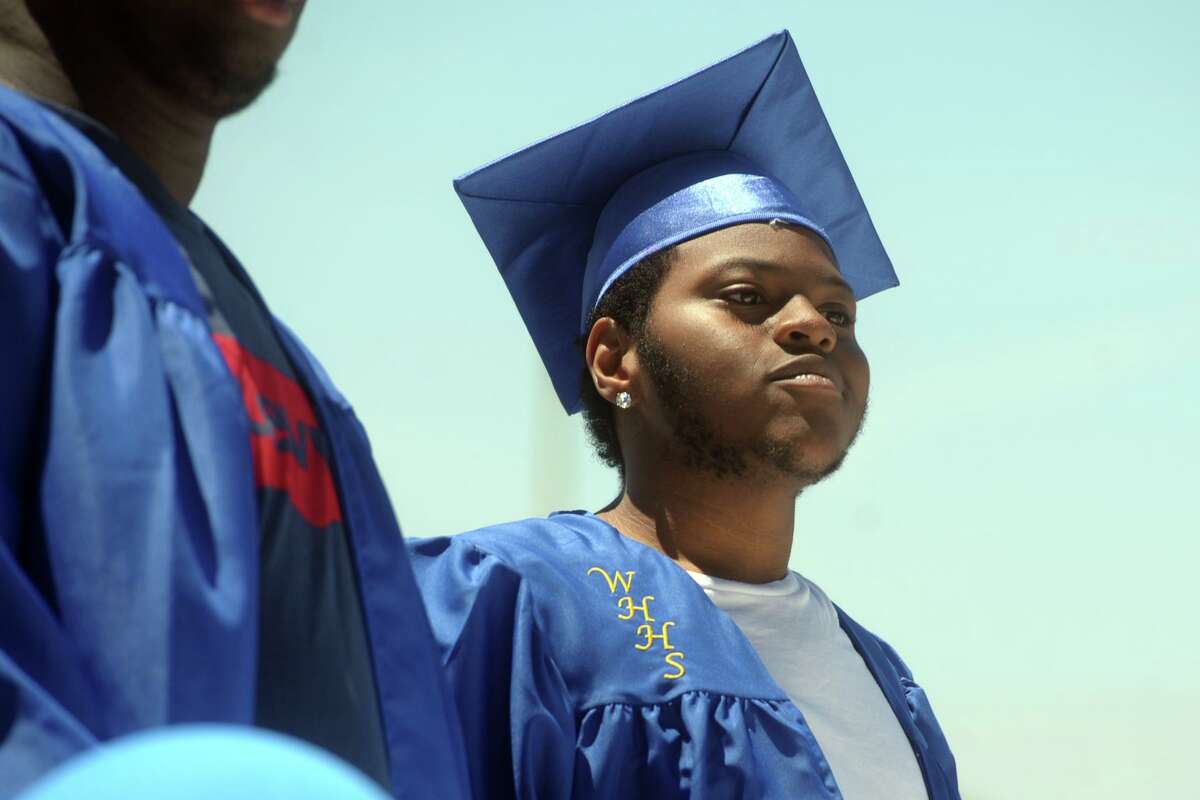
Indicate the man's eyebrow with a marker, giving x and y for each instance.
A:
(760, 265)
(837, 282)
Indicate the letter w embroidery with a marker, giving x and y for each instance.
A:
(618, 578)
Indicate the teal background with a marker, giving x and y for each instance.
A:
(1019, 516)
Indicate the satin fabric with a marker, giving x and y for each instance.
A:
(679, 200)
(542, 647)
(128, 527)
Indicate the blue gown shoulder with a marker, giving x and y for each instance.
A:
(588, 665)
(599, 597)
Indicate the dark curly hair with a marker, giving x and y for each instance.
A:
(627, 302)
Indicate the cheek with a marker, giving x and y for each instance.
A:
(857, 372)
(724, 364)
(726, 361)
(735, 397)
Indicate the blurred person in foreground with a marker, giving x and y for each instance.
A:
(191, 525)
(697, 255)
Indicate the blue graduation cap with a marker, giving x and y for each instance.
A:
(744, 140)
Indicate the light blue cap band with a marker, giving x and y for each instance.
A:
(678, 200)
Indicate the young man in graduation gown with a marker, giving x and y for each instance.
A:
(698, 256)
(191, 525)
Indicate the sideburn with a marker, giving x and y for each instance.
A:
(698, 445)
(697, 442)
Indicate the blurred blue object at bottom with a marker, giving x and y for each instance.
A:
(205, 761)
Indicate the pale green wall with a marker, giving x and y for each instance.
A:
(1019, 516)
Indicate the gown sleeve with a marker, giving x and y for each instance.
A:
(517, 724)
(930, 732)
(128, 536)
(36, 730)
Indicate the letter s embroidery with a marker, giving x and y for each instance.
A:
(675, 659)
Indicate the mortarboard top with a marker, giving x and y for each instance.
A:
(741, 141)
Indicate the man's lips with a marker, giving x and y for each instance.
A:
(810, 372)
(276, 13)
(810, 381)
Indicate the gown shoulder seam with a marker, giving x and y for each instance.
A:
(681, 695)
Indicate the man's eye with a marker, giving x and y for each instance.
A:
(745, 297)
(839, 318)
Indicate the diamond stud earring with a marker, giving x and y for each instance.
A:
(624, 400)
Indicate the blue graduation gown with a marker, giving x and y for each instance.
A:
(587, 665)
(129, 536)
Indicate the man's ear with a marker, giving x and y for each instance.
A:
(611, 358)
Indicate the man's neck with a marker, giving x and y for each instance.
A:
(737, 530)
(173, 140)
(27, 63)
(170, 137)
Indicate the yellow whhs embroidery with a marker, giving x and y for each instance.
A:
(618, 578)
(672, 657)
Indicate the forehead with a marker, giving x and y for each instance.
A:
(794, 250)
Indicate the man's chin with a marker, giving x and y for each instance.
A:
(233, 93)
(798, 461)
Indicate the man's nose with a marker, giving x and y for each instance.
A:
(800, 324)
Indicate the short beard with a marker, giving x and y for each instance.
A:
(701, 447)
(193, 62)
